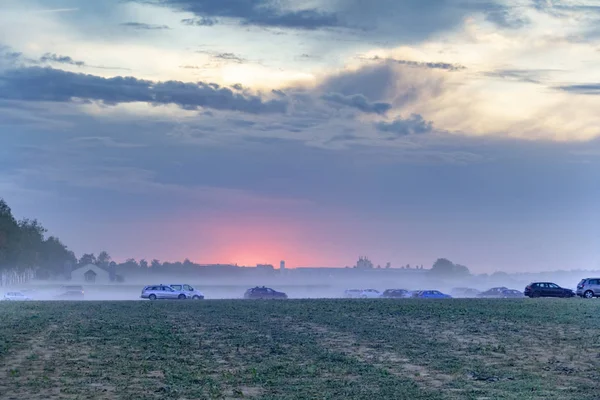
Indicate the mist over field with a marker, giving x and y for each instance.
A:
(304, 284)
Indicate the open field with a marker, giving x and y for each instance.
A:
(301, 349)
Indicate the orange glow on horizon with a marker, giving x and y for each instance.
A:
(252, 240)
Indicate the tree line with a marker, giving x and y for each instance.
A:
(26, 251)
(24, 246)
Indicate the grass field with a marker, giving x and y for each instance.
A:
(301, 349)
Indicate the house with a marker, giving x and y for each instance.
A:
(90, 274)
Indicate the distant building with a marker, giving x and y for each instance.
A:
(265, 267)
(90, 274)
(282, 265)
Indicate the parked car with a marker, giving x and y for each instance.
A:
(163, 292)
(71, 292)
(547, 289)
(264, 293)
(370, 294)
(512, 294)
(493, 293)
(431, 294)
(16, 296)
(589, 288)
(362, 294)
(189, 291)
(396, 293)
(352, 293)
(464, 292)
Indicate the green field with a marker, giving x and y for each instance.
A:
(301, 349)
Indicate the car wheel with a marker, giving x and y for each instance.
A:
(588, 294)
(196, 297)
(181, 297)
(152, 297)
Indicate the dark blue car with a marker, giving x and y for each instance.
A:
(264, 293)
(430, 294)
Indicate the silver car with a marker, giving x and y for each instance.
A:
(154, 292)
(189, 291)
(588, 288)
(17, 296)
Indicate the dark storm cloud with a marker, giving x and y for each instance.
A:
(359, 102)
(414, 125)
(143, 26)
(251, 12)
(48, 84)
(51, 57)
(586, 88)
(420, 64)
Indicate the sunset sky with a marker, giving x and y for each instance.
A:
(313, 131)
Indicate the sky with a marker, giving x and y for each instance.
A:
(311, 131)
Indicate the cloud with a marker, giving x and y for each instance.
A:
(9, 56)
(504, 17)
(225, 56)
(105, 141)
(202, 21)
(230, 57)
(420, 64)
(521, 75)
(265, 13)
(560, 8)
(586, 88)
(415, 125)
(48, 84)
(56, 10)
(399, 85)
(50, 57)
(143, 26)
(358, 101)
(408, 21)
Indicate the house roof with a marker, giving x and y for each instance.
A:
(91, 267)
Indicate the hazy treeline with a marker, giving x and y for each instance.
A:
(25, 251)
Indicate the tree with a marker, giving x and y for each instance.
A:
(9, 235)
(143, 264)
(25, 249)
(53, 256)
(31, 238)
(131, 263)
(103, 259)
(447, 269)
(155, 264)
(87, 259)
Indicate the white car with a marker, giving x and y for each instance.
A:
(370, 294)
(189, 291)
(362, 294)
(16, 296)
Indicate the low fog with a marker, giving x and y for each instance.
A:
(299, 284)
